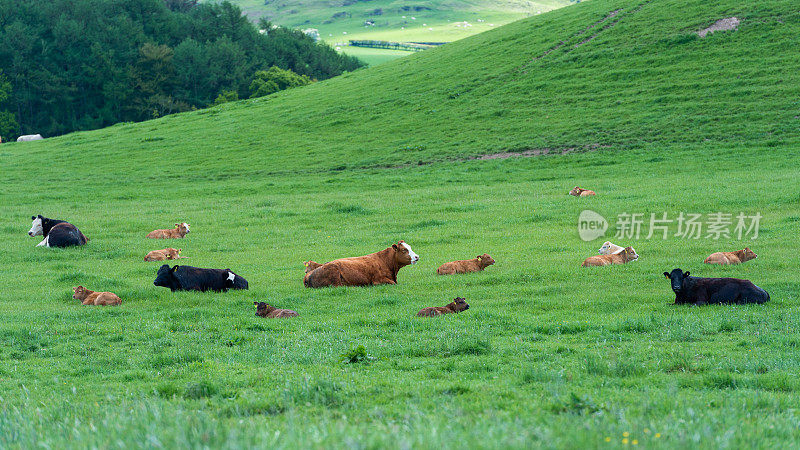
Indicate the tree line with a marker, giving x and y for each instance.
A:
(68, 65)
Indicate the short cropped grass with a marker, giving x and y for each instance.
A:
(548, 355)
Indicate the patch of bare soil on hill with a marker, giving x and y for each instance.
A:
(730, 23)
(529, 153)
(526, 153)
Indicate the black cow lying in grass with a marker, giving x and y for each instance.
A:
(57, 233)
(702, 291)
(188, 278)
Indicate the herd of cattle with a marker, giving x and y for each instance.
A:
(382, 268)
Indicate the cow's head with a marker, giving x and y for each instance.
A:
(749, 254)
(629, 254)
(182, 227)
(676, 278)
(485, 260)
(36, 226)
(458, 304)
(173, 253)
(262, 309)
(311, 266)
(79, 293)
(165, 277)
(576, 191)
(605, 249)
(403, 254)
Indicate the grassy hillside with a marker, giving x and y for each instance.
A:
(395, 20)
(622, 97)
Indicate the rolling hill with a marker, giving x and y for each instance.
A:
(394, 20)
(462, 150)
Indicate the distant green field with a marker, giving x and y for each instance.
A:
(623, 97)
(406, 20)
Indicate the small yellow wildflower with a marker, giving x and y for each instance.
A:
(635, 442)
(608, 439)
(658, 435)
(626, 434)
(625, 441)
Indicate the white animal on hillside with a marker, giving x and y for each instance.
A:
(30, 137)
(610, 249)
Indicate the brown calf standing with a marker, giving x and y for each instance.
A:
(622, 257)
(161, 255)
(456, 306)
(578, 192)
(88, 297)
(271, 312)
(737, 257)
(180, 230)
(466, 265)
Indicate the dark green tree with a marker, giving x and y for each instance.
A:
(274, 79)
(8, 125)
(84, 64)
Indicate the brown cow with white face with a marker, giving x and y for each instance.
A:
(180, 230)
(376, 268)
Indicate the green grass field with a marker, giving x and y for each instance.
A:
(402, 21)
(548, 355)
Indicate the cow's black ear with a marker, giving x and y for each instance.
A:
(394, 246)
(255, 303)
(40, 216)
(686, 274)
(174, 268)
(33, 217)
(666, 274)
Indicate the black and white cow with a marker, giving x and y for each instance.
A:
(188, 278)
(57, 233)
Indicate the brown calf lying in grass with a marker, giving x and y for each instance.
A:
(578, 192)
(466, 265)
(161, 255)
(456, 306)
(622, 257)
(737, 257)
(180, 230)
(88, 297)
(271, 312)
